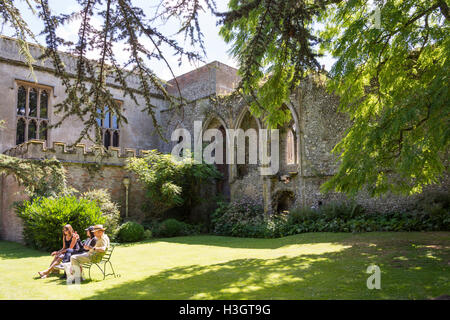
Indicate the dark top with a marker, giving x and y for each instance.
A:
(76, 247)
(89, 242)
(67, 242)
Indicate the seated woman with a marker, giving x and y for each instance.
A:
(69, 242)
(84, 246)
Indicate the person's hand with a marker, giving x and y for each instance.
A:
(76, 235)
(54, 253)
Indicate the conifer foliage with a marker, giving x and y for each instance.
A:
(391, 72)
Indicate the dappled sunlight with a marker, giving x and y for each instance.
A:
(431, 255)
(401, 258)
(195, 271)
(287, 251)
(226, 254)
(233, 268)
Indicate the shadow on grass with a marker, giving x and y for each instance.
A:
(60, 279)
(332, 275)
(346, 238)
(14, 250)
(258, 243)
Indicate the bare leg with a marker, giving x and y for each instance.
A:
(54, 259)
(52, 265)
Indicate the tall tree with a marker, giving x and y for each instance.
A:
(274, 44)
(87, 91)
(391, 75)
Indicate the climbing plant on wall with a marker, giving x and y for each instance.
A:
(41, 178)
(171, 183)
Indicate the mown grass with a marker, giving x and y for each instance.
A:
(307, 266)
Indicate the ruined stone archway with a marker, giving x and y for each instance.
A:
(247, 121)
(283, 200)
(222, 186)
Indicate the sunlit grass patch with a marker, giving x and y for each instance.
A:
(305, 266)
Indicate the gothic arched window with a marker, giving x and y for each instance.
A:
(107, 139)
(20, 135)
(290, 147)
(21, 101)
(44, 104)
(32, 130)
(43, 130)
(115, 139)
(107, 120)
(32, 108)
(32, 104)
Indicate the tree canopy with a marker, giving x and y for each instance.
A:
(393, 80)
(391, 72)
(392, 77)
(41, 178)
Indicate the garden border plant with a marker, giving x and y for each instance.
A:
(244, 218)
(44, 218)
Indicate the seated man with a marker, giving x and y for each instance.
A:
(95, 254)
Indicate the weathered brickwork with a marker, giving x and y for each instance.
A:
(10, 224)
(85, 170)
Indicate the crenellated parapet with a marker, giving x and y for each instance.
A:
(35, 149)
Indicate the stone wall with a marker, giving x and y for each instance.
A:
(85, 170)
(138, 133)
(322, 127)
(211, 79)
(10, 224)
(318, 126)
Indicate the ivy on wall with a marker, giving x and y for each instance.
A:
(39, 177)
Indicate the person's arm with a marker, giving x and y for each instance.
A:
(91, 244)
(87, 244)
(72, 244)
(100, 246)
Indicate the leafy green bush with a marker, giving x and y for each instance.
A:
(300, 215)
(151, 225)
(148, 234)
(170, 183)
(244, 218)
(174, 228)
(341, 210)
(44, 219)
(110, 210)
(130, 231)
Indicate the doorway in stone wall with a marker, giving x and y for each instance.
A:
(283, 201)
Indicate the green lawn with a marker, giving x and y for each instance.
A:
(307, 266)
